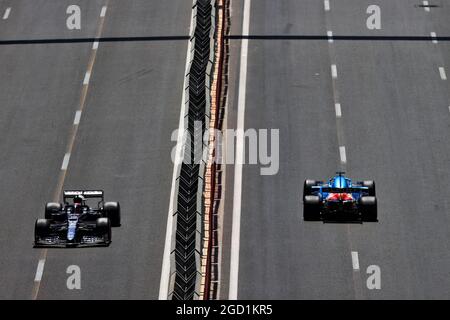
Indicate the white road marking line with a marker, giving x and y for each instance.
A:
(6, 14)
(338, 110)
(330, 36)
(103, 12)
(342, 154)
(442, 73)
(39, 270)
(355, 260)
(87, 77)
(165, 269)
(76, 121)
(425, 3)
(237, 197)
(95, 45)
(65, 163)
(326, 5)
(433, 37)
(448, 108)
(334, 71)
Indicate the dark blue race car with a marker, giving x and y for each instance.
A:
(339, 199)
(74, 223)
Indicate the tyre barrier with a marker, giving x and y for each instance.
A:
(187, 235)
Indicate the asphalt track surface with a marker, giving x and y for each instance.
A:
(395, 130)
(122, 145)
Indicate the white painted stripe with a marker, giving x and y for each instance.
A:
(240, 143)
(343, 154)
(442, 73)
(355, 260)
(425, 3)
(103, 12)
(334, 71)
(448, 108)
(338, 110)
(326, 5)
(76, 121)
(65, 163)
(165, 269)
(6, 14)
(39, 270)
(330, 36)
(433, 37)
(87, 77)
(95, 45)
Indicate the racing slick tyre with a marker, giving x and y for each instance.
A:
(41, 228)
(311, 208)
(103, 227)
(369, 209)
(51, 209)
(307, 187)
(112, 211)
(371, 185)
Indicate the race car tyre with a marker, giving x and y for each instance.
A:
(369, 209)
(52, 208)
(112, 211)
(307, 187)
(103, 227)
(311, 208)
(41, 228)
(371, 185)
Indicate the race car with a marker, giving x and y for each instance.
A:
(76, 224)
(339, 199)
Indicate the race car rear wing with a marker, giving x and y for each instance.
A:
(70, 194)
(342, 190)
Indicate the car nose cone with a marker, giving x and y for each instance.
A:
(71, 229)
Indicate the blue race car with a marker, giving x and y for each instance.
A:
(339, 199)
(75, 223)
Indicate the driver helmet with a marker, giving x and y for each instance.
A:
(78, 202)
